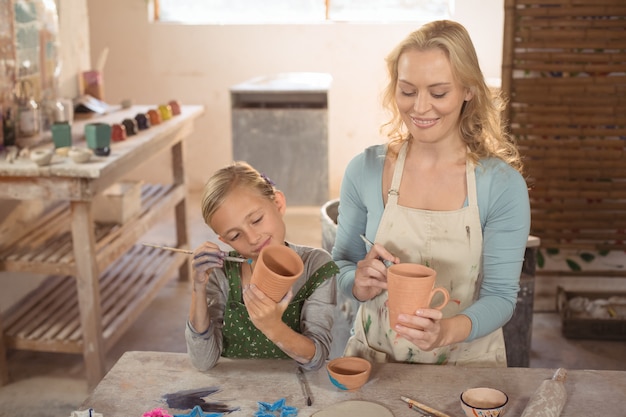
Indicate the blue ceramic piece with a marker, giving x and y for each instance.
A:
(277, 409)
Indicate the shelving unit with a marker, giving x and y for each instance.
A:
(99, 279)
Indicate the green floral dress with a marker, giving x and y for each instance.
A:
(241, 338)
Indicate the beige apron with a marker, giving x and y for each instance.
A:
(450, 242)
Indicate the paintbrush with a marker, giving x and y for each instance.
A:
(423, 407)
(368, 246)
(190, 252)
(305, 387)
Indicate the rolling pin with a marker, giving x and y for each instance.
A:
(549, 399)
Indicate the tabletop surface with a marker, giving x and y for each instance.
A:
(63, 166)
(139, 381)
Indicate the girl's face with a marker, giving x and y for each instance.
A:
(428, 96)
(247, 221)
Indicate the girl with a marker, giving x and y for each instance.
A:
(229, 316)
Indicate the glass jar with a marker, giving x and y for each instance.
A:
(28, 112)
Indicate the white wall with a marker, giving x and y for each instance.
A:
(154, 63)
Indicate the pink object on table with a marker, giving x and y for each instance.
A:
(157, 412)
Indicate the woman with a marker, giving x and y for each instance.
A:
(445, 191)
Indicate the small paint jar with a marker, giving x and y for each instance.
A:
(61, 134)
(165, 111)
(98, 137)
(154, 116)
(143, 122)
(118, 132)
(131, 126)
(175, 106)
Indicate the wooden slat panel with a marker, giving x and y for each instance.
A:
(564, 71)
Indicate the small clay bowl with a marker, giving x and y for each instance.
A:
(483, 402)
(349, 372)
(80, 155)
(41, 157)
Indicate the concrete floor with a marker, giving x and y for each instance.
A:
(53, 385)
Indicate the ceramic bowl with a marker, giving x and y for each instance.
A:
(41, 157)
(483, 402)
(80, 155)
(349, 372)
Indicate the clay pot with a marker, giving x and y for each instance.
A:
(411, 287)
(275, 271)
(483, 401)
(349, 372)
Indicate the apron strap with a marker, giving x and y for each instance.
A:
(472, 198)
(393, 193)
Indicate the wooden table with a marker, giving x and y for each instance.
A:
(138, 381)
(99, 280)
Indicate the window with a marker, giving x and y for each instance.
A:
(299, 11)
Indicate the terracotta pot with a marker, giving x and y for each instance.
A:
(349, 372)
(411, 287)
(275, 271)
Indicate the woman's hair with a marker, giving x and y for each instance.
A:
(224, 180)
(481, 126)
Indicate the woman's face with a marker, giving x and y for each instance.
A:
(428, 96)
(248, 221)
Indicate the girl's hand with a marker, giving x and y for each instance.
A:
(423, 329)
(266, 315)
(370, 277)
(206, 257)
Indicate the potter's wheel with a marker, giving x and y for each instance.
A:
(355, 408)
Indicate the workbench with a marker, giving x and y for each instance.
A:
(99, 278)
(138, 381)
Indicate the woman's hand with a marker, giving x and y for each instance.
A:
(370, 277)
(206, 257)
(423, 329)
(266, 315)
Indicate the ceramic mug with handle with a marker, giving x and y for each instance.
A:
(411, 287)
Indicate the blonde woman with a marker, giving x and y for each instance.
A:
(446, 190)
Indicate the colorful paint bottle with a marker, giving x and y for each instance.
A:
(165, 110)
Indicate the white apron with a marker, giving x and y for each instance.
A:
(450, 242)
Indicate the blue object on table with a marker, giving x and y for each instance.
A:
(197, 412)
(277, 409)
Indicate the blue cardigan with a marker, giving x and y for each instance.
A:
(504, 215)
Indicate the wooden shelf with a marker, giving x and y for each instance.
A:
(98, 277)
(48, 319)
(46, 247)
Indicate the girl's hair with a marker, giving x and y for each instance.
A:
(481, 126)
(224, 180)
